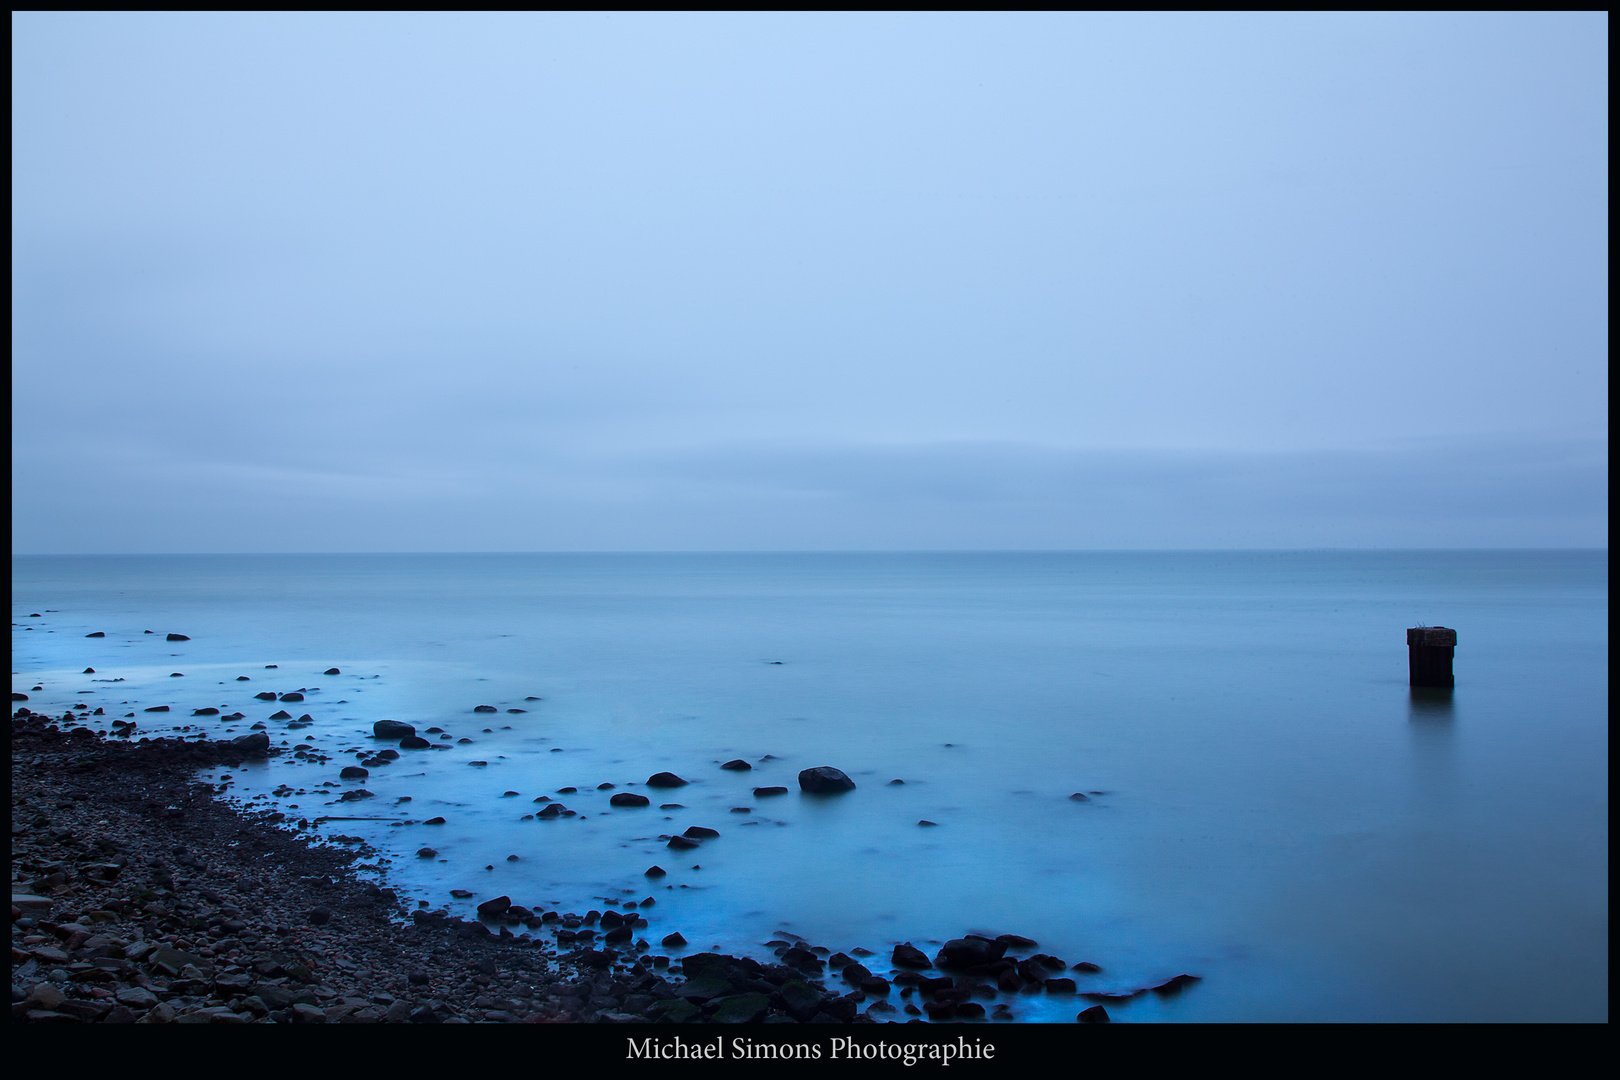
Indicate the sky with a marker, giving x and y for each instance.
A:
(508, 282)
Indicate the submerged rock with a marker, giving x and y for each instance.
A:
(737, 765)
(629, 798)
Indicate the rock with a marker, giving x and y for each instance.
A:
(629, 798)
(699, 832)
(824, 780)
(761, 792)
(969, 952)
(294, 696)
(426, 853)
(1174, 986)
(665, 780)
(909, 956)
(654, 872)
(256, 743)
(98, 633)
(925, 821)
(739, 765)
(494, 909)
(331, 671)
(414, 742)
(681, 843)
(266, 696)
(319, 916)
(19, 697)
(1015, 941)
(484, 708)
(1086, 966)
(741, 1009)
(1094, 1015)
(1079, 797)
(353, 772)
(391, 729)
(157, 708)
(177, 637)
(88, 671)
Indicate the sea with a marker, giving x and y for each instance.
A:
(1160, 763)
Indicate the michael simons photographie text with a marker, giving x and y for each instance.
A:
(839, 1048)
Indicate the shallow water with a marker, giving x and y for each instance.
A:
(1276, 812)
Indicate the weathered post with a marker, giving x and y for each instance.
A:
(1429, 650)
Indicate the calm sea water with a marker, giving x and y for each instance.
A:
(1271, 809)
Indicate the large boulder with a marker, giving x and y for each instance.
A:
(391, 729)
(824, 780)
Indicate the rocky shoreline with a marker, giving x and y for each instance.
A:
(139, 896)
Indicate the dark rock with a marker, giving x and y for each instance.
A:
(824, 780)
(331, 671)
(665, 780)
(681, 843)
(1087, 967)
(205, 712)
(88, 671)
(738, 765)
(1174, 986)
(484, 708)
(761, 792)
(1079, 797)
(353, 772)
(391, 729)
(741, 1009)
(1015, 941)
(909, 956)
(968, 952)
(655, 872)
(426, 853)
(1094, 1015)
(294, 696)
(925, 821)
(494, 909)
(1059, 986)
(281, 714)
(157, 708)
(256, 743)
(319, 916)
(414, 742)
(266, 696)
(177, 637)
(629, 798)
(699, 832)
(673, 941)
(98, 633)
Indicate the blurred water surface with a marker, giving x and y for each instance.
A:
(1269, 806)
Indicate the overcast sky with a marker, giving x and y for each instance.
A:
(373, 282)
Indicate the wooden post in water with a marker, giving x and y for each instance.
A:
(1429, 650)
